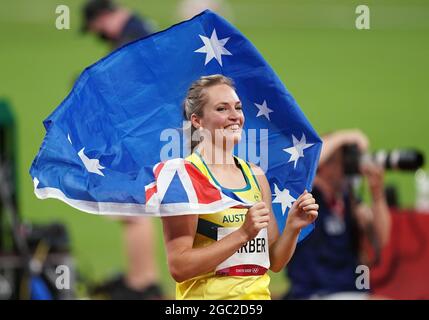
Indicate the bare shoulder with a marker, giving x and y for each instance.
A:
(256, 168)
(258, 172)
(260, 177)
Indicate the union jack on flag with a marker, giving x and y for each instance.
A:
(180, 187)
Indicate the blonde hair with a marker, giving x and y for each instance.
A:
(197, 98)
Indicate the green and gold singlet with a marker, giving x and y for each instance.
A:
(243, 275)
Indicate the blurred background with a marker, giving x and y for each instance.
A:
(375, 80)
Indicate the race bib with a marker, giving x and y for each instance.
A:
(251, 259)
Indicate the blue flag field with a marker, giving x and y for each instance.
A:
(105, 144)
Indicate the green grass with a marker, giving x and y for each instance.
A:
(375, 80)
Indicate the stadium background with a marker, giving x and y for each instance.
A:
(375, 80)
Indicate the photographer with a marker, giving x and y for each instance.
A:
(324, 265)
(114, 24)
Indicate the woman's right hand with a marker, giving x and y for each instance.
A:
(257, 218)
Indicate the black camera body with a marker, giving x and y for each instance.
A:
(397, 159)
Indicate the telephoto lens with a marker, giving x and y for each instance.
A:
(399, 159)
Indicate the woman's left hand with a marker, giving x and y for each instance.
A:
(303, 212)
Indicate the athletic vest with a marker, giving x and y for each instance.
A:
(243, 275)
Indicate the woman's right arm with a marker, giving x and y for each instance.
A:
(186, 262)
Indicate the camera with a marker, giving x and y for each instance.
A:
(397, 159)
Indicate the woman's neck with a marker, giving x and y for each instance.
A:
(216, 155)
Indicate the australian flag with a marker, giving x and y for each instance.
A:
(110, 146)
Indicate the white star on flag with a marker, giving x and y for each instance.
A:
(92, 165)
(214, 48)
(263, 110)
(297, 151)
(283, 197)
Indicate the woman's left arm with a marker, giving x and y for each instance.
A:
(302, 213)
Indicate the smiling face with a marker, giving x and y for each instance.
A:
(222, 117)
